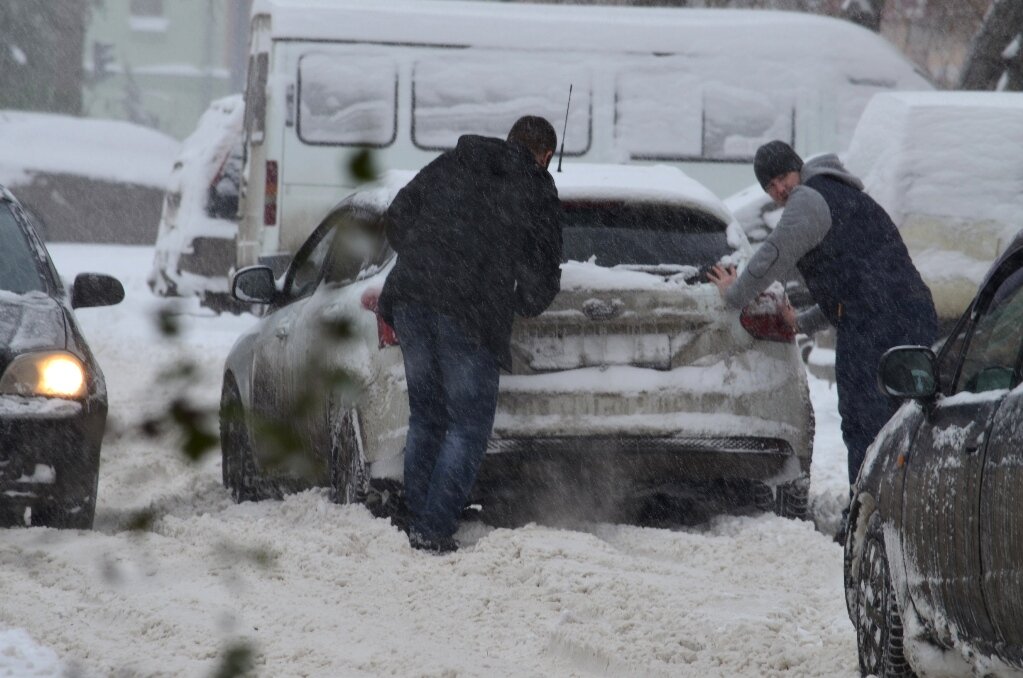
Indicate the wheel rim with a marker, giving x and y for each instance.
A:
(871, 618)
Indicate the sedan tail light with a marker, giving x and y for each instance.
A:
(386, 336)
(763, 317)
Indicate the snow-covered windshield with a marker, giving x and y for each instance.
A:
(642, 235)
(18, 266)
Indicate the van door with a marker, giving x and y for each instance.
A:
(252, 190)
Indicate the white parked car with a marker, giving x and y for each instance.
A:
(636, 379)
(945, 165)
(199, 221)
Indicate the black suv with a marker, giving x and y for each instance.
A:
(934, 554)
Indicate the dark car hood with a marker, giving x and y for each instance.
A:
(29, 322)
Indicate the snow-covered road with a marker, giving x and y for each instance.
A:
(317, 589)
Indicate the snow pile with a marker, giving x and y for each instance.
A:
(101, 149)
(946, 168)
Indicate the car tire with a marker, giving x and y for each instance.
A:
(879, 632)
(788, 500)
(240, 474)
(349, 481)
(792, 499)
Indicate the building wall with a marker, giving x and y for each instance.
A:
(161, 62)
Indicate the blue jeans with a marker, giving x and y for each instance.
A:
(452, 391)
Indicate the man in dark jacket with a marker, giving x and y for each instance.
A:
(478, 238)
(858, 272)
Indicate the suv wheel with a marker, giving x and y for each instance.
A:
(240, 474)
(879, 637)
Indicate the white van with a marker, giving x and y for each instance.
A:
(700, 89)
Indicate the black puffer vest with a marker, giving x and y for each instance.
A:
(861, 274)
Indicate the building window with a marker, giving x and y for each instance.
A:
(147, 8)
(146, 16)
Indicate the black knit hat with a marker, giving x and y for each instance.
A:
(774, 159)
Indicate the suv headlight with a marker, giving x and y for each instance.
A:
(54, 374)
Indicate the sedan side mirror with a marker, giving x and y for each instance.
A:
(908, 372)
(254, 285)
(96, 289)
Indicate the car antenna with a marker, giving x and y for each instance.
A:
(562, 153)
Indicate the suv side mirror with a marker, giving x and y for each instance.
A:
(254, 285)
(96, 289)
(908, 372)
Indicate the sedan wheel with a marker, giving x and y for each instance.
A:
(788, 500)
(348, 478)
(240, 473)
(878, 623)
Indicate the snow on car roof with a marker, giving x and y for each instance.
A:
(945, 154)
(637, 183)
(102, 149)
(761, 35)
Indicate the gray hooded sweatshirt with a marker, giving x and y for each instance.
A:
(804, 223)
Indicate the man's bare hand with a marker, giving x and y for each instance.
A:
(723, 277)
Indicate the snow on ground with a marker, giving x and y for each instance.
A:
(320, 589)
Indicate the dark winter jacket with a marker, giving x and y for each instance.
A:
(478, 238)
(851, 256)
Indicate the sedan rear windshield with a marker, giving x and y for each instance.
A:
(19, 267)
(642, 234)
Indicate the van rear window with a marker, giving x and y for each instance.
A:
(486, 92)
(666, 111)
(347, 99)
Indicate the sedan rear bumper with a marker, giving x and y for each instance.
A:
(634, 463)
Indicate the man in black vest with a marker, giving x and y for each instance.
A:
(478, 238)
(858, 272)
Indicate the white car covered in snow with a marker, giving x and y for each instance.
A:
(199, 222)
(946, 167)
(83, 179)
(637, 378)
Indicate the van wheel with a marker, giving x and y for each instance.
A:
(240, 474)
(879, 633)
(349, 481)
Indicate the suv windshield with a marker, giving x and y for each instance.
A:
(642, 235)
(19, 272)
